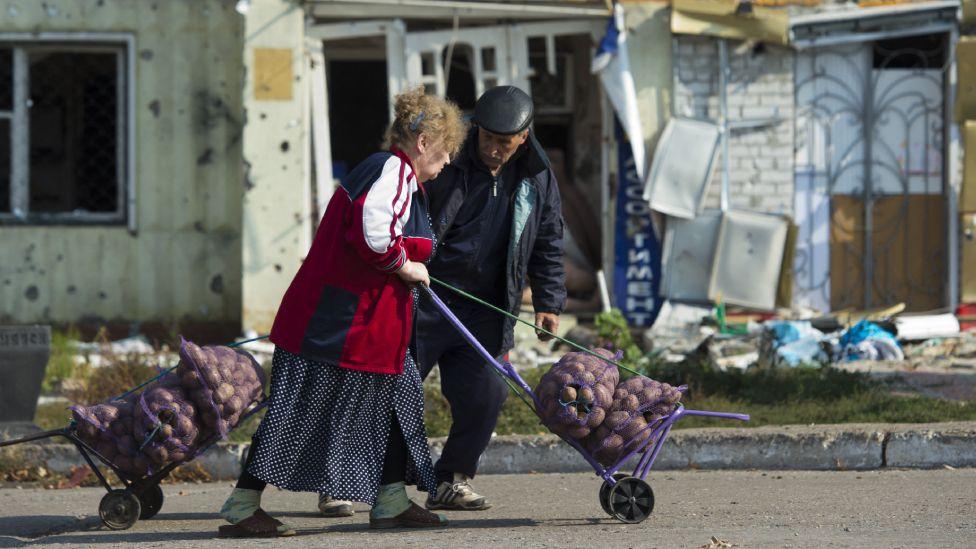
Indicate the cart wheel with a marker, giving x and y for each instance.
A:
(605, 493)
(150, 501)
(119, 509)
(631, 500)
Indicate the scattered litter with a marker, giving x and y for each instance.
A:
(715, 543)
(740, 362)
(914, 328)
(868, 341)
(791, 343)
(130, 345)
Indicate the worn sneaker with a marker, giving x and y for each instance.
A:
(334, 507)
(457, 496)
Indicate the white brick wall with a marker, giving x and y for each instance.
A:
(759, 86)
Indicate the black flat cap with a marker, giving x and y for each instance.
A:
(505, 110)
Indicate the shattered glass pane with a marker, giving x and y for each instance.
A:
(427, 63)
(4, 166)
(488, 59)
(549, 91)
(682, 167)
(74, 130)
(6, 79)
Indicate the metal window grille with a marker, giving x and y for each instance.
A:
(63, 132)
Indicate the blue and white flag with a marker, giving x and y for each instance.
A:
(612, 64)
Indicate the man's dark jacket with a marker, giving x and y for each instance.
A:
(536, 239)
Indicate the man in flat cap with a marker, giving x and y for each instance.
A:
(497, 218)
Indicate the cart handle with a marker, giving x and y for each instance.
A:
(506, 370)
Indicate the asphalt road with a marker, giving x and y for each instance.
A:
(887, 508)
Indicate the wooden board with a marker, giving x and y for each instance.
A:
(968, 245)
(968, 200)
(846, 253)
(965, 107)
(784, 290)
(908, 247)
(273, 75)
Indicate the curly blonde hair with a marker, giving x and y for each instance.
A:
(417, 112)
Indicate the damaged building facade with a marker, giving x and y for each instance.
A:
(120, 173)
(838, 118)
(821, 135)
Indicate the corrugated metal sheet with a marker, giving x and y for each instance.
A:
(184, 261)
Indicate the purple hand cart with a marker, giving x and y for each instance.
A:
(627, 498)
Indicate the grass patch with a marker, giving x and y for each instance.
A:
(61, 363)
(870, 407)
(770, 397)
(515, 417)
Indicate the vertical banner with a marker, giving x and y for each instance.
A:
(637, 252)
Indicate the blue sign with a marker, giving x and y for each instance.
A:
(637, 252)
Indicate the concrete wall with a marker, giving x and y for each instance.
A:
(277, 227)
(184, 260)
(760, 85)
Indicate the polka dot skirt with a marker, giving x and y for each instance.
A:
(327, 427)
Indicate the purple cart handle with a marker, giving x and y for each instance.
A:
(506, 370)
(660, 432)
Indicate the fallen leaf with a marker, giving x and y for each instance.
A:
(78, 476)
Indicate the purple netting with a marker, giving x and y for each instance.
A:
(222, 382)
(175, 417)
(576, 393)
(639, 405)
(165, 423)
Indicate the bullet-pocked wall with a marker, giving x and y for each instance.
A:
(174, 254)
(277, 201)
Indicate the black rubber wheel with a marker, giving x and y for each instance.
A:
(605, 493)
(150, 501)
(119, 509)
(631, 500)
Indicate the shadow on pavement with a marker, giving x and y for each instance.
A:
(35, 526)
(454, 524)
(87, 536)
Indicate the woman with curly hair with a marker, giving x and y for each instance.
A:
(345, 412)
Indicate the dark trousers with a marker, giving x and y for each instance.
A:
(474, 391)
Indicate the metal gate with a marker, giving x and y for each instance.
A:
(871, 192)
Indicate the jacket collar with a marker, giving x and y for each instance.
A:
(398, 152)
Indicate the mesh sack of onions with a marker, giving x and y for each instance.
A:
(639, 404)
(576, 393)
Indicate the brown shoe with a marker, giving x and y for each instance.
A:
(258, 525)
(414, 517)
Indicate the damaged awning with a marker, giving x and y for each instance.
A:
(809, 23)
(465, 9)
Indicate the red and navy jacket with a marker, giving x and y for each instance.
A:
(346, 305)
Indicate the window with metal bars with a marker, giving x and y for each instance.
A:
(62, 133)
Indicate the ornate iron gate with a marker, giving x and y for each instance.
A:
(871, 198)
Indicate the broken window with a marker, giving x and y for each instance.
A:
(62, 129)
(550, 76)
(927, 51)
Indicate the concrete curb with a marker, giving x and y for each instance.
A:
(791, 447)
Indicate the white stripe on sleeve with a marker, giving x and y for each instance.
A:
(385, 201)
